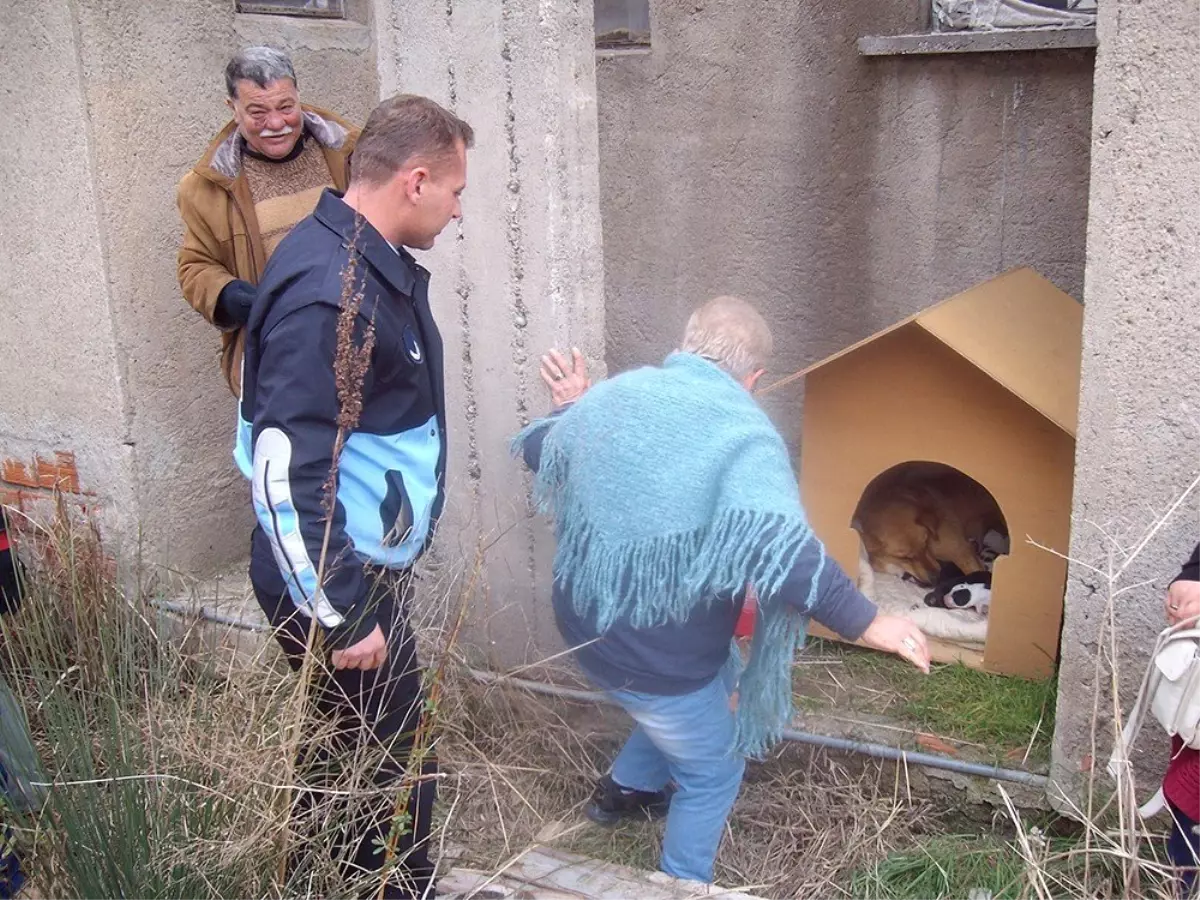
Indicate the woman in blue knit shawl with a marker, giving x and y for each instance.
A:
(671, 491)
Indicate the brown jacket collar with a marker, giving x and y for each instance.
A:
(222, 161)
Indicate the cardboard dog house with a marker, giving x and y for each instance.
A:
(986, 382)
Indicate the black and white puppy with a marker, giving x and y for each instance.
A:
(956, 590)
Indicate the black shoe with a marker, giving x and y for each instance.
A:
(611, 803)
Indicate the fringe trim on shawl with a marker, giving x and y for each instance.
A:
(660, 580)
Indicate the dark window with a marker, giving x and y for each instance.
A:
(622, 23)
(321, 9)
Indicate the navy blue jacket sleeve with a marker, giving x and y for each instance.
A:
(837, 603)
(531, 450)
(295, 427)
(1191, 569)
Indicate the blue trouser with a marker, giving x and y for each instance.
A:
(1183, 849)
(687, 739)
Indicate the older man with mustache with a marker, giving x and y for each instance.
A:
(260, 175)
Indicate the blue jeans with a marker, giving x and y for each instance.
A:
(687, 739)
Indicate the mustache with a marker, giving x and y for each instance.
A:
(268, 133)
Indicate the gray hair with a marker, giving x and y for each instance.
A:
(262, 65)
(729, 332)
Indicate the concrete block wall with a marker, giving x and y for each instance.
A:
(1139, 424)
(521, 273)
(752, 150)
(108, 369)
(104, 361)
(62, 413)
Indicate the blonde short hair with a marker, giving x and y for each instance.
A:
(731, 333)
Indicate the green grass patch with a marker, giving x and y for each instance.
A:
(945, 866)
(965, 703)
(953, 867)
(955, 701)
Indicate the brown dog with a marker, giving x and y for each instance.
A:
(914, 518)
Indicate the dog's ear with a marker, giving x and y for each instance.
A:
(929, 520)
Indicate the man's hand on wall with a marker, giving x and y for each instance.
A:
(567, 382)
(1183, 601)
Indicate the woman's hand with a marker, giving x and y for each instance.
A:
(895, 634)
(567, 382)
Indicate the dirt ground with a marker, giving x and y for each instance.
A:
(522, 766)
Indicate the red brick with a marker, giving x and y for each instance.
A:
(935, 743)
(15, 472)
(16, 498)
(59, 475)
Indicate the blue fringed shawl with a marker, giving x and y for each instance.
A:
(669, 487)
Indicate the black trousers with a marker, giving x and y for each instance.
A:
(360, 718)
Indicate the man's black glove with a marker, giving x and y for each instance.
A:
(233, 304)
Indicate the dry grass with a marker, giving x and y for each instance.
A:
(808, 823)
(167, 775)
(523, 767)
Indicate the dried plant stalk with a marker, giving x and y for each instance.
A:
(351, 362)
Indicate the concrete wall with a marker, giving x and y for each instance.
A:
(107, 360)
(522, 273)
(152, 88)
(753, 151)
(1139, 418)
(58, 369)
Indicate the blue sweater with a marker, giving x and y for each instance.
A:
(675, 659)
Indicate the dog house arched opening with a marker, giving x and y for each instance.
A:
(929, 536)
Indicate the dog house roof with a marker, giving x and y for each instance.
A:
(1020, 330)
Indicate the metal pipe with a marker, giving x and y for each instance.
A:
(867, 748)
(185, 609)
(879, 751)
(932, 760)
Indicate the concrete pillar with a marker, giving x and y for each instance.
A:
(62, 416)
(1140, 403)
(522, 272)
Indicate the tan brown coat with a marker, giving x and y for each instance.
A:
(221, 239)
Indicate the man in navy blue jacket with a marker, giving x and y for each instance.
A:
(407, 173)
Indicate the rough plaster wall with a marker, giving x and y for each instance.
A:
(154, 90)
(58, 368)
(753, 151)
(1140, 404)
(521, 273)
